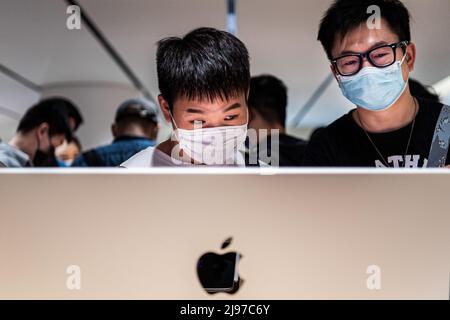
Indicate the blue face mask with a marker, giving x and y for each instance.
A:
(374, 89)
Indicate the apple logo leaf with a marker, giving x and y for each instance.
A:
(227, 243)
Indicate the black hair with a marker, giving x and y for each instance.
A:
(71, 110)
(205, 64)
(77, 142)
(127, 120)
(419, 90)
(344, 15)
(268, 95)
(50, 111)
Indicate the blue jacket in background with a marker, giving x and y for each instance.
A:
(112, 155)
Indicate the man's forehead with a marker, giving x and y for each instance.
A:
(208, 105)
(362, 38)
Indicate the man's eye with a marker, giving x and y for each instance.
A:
(232, 117)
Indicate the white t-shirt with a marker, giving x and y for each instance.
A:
(153, 157)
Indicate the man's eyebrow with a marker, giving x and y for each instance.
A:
(232, 107)
(193, 110)
(378, 44)
(200, 111)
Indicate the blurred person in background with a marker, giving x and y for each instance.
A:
(267, 103)
(68, 152)
(43, 127)
(135, 128)
(75, 121)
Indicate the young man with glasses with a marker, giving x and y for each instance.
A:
(389, 127)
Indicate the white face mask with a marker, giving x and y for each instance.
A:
(212, 146)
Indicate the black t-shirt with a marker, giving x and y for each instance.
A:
(345, 144)
(291, 150)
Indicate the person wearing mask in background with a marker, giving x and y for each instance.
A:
(44, 127)
(267, 103)
(75, 121)
(68, 152)
(389, 127)
(135, 128)
(204, 79)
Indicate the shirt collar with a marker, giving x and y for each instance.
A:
(127, 138)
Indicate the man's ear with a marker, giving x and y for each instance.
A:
(43, 129)
(114, 130)
(411, 56)
(155, 131)
(165, 109)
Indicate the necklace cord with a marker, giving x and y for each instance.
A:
(416, 109)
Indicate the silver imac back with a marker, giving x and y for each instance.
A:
(296, 234)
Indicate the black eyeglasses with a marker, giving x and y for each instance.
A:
(380, 57)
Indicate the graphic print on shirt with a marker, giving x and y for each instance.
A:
(398, 161)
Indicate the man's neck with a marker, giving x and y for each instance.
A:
(269, 129)
(132, 132)
(394, 118)
(20, 141)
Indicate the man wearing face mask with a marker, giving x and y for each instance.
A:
(372, 64)
(44, 127)
(204, 80)
(75, 121)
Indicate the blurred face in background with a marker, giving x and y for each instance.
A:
(67, 152)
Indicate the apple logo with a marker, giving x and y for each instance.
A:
(219, 272)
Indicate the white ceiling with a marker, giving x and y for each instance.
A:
(280, 35)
